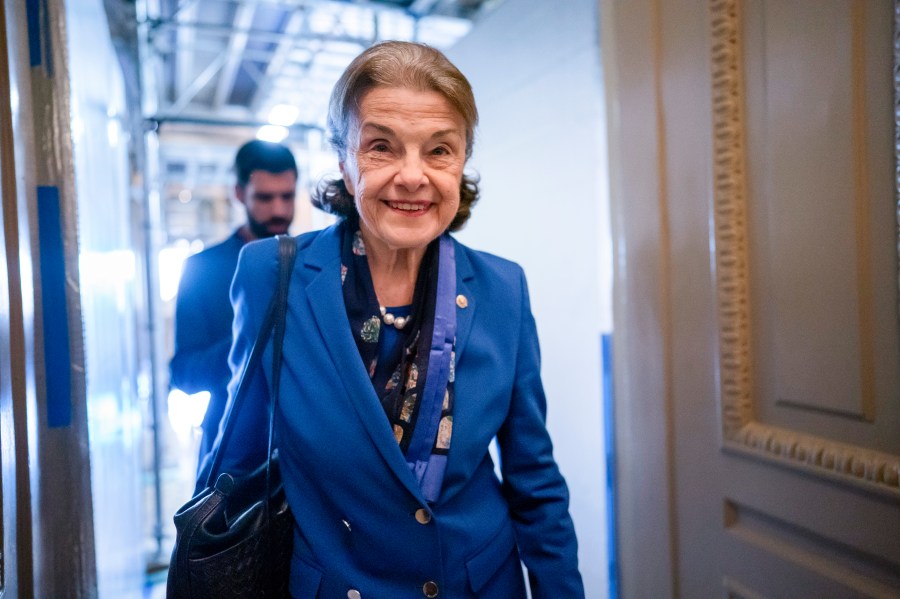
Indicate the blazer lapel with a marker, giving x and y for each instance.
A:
(466, 301)
(325, 299)
(464, 408)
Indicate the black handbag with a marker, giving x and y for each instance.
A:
(234, 539)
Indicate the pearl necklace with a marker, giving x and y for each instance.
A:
(397, 322)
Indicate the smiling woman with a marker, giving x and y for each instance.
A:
(406, 353)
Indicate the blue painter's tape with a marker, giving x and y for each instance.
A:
(37, 18)
(57, 358)
(33, 18)
(609, 434)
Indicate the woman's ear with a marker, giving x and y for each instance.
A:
(348, 183)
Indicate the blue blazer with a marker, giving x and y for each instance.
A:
(361, 521)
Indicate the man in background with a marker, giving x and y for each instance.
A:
(266, 186)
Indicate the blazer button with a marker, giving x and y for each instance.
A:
(430, 589)
(422, 516)
(353, 594)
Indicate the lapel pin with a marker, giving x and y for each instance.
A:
(461, 301)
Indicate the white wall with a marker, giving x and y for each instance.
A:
(540, 151)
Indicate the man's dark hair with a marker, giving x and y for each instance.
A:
(258, 155)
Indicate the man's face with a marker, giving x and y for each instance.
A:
(269, 199)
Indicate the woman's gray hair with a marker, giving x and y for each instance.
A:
(395, 65)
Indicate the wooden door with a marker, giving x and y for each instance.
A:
(48, 544)
(15, 509)
(757, 321)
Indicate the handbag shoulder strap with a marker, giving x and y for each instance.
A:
(274, 319)
(287, 249)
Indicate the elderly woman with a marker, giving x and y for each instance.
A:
(405, 354)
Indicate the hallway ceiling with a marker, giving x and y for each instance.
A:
(230, 62)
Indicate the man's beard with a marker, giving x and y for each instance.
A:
(261, 229)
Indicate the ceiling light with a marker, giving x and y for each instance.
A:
(274, 133)
(284, 115)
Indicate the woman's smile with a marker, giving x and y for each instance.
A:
(410, 208)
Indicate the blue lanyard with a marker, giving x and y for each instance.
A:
(429, 468)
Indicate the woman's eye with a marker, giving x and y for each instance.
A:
(380, 147)
(440, 151)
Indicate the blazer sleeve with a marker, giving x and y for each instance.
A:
(254, 283)
(532, 483)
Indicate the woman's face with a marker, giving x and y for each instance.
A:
(404, 166)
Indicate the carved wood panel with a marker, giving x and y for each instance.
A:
(743, 431)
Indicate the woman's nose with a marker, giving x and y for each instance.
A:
(411, 174)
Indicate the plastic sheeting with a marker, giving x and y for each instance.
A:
(108, 274)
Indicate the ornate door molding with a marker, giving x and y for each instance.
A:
(743, 433)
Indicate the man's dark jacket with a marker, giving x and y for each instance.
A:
(203, 319)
